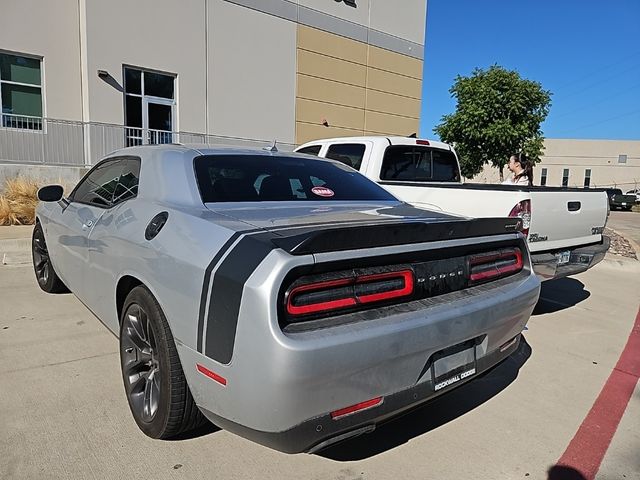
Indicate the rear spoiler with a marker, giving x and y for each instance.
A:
(389, 234)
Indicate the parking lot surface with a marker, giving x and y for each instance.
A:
(627, 224)
(63, 412)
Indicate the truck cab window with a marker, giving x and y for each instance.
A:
(419, 164)
(311, 150)
(350, 154)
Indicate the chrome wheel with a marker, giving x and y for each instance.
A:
(140, 362)
(41, 261)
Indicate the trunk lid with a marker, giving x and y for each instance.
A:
(331, 226)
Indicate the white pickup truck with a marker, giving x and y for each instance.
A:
(563, 225)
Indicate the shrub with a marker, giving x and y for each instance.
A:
(18, 201)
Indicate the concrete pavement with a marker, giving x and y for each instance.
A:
(63, 413)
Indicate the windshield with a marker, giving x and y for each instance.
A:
(260, 178)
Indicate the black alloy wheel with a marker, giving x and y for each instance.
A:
(140, 363)
(47, 277)
(154, 382)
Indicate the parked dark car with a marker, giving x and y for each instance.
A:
(617, 199)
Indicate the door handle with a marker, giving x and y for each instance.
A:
(88, 224)
(573, 206)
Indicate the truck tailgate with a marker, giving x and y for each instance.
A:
(566, 218)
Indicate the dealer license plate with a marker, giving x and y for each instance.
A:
(453, 365)
(564, 257)
(624, 204)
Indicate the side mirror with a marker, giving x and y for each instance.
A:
(51, 193)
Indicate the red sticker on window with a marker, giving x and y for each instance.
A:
(323, 191)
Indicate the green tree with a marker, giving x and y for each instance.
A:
(498, 113)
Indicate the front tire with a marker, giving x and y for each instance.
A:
(155, 385)
(47, 277)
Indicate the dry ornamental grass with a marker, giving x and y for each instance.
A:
(18, 201)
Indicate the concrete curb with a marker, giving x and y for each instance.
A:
(16, 251)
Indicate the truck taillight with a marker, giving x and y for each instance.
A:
(523, 210)
(343, 293)
(484, 267)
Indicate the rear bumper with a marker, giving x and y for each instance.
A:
(318, 433)
(546, 267)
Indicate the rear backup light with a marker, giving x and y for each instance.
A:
(491, 266)
(348, 292)
(358, 407)
(523, 211)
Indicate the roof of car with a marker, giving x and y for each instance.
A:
(387, 140)
(200, 149)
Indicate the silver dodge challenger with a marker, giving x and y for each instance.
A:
(282, 297)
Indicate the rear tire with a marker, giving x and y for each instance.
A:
(155, 385)
(47, 277)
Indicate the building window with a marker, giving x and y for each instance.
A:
(565, 177)
(543, 177)
(20, 91)
(587, 178)
(622, 159)
(149, 106)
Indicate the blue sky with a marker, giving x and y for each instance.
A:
(587, 53)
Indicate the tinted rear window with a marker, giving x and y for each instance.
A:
(260, 178)
(348, 153)
(312, 150)
(419, 164)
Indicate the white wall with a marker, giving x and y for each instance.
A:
(162, 35)
(48, 29)
(252, 73)
(359, 14)
(405, 19)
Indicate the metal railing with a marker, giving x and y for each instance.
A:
(47, 141)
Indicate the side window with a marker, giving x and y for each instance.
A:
(111, 182)
(350, 154)
(312, 150)
(98, 186)
(127, 186)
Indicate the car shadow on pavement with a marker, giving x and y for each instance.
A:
(205, 429)
(556, 295)
(433, 414)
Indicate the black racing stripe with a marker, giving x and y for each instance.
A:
(226, 294)
(207, 282)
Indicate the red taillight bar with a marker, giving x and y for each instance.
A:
(497, 270)
(407, 275)
(320, 307)
(353, 299)
(422, 142)
(358, 407)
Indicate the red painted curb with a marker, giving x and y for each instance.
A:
(590, 443)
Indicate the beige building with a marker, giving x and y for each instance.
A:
(582, 163)
(84, 77)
